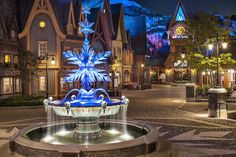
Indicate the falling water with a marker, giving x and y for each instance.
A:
(50, 118)
(124, 117)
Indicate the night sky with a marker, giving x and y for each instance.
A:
(226, 7)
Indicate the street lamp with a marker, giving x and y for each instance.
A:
(53, 62)
(217, 95)
(142, 65)
(217, 44)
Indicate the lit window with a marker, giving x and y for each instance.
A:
(17, 85)
(42, 83)
(180, 15)
(42, 24)
(7, 58)
(104, 10)
(16, 60)
(42, 48)
(13, 34)
(7, 85)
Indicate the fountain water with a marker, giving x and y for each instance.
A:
(86, 105)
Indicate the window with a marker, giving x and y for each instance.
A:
(42, 83)
(16, 60)
(7, 58)
(79, 30)
(42, 48)
(114, 52)
(126, 76)
(13, 34)
(17, 85)
(119, 54)
(62, 84)
(7, 85)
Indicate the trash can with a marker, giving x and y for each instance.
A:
(217, 106)
(190, 92)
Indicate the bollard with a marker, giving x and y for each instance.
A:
(190, 92)
(217, 107)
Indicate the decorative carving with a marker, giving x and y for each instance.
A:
(42, 5)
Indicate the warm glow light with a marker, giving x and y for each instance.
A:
(53, 62)
(208, 73)
(42, 24)
(142, 65)
(224, 45)
(203, 73)
(222, 72)
(214, 72)
(182, 55)
(210, 46)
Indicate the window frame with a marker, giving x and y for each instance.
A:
(13, 34)
(39, 48)
(42, 89)
(10, 85)
(7, 54)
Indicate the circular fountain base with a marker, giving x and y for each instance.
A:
(136, 140)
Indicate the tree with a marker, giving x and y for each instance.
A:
(28, 69)
(202, 27)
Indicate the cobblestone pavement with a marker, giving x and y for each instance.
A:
(186, 126)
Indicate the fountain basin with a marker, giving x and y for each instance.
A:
(92, 109)
(142, 140)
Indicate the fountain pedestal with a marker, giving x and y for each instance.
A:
(87, 128)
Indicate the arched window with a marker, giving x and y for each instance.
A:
(126, 76)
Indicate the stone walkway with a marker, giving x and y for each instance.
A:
(186, 126)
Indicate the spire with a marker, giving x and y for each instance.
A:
(71, 20)
(180, 14)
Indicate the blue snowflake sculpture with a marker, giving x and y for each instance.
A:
(87, 73)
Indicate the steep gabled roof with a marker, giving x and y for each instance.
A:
(118, 21)
(3, 24)
(180, 14)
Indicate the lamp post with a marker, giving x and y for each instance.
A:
(217, 95)
(53, 62)
(218, 43)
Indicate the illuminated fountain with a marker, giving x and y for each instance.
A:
(87, 104)
(86, 135)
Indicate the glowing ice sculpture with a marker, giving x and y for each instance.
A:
(86, 104)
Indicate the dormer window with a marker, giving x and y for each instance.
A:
(79, 30)
(13, 34)
(7, 58)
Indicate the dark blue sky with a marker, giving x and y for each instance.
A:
(226, 7)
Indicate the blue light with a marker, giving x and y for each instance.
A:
(86, 60)
(180, 15)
